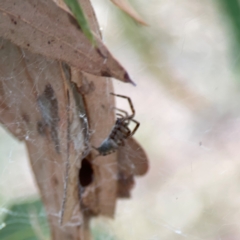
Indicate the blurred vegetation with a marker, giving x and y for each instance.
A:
(25, 221)
(231, 10)
(28, 221)
(99, 233)
(144, 39)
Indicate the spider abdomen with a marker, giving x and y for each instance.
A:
(108, 146)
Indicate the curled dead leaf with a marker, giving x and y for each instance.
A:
(38, 106)
(128, 9)
(132, 158)
(44, 28)
(132, 161)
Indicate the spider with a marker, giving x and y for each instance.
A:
(120, 131)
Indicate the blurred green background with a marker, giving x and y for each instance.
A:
(186, 66)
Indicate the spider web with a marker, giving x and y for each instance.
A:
(187, 101)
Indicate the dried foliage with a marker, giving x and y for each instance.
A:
(49, 101)
(128, 9)
(43, 27)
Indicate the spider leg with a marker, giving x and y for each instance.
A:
(125, 131)
(120, 110)
(136, 127)
(118, 114)
(129, 101)
(97, 151)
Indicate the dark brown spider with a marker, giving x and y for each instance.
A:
(120, 131)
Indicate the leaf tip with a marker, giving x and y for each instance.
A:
(129, 80)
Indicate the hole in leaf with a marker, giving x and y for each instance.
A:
(86, 173)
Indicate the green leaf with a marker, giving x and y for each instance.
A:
(100, 234)
(100, 231)
(231, 14)
(81, 19)
(24, 221)
(232, 10)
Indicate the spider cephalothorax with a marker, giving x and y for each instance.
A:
(120, 131)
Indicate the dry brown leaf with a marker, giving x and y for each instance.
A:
(45, 112)
(132, 158)
(101, 195)
(35, 107)
(132, 161)
(40, 104)
(44, 28)
(127, 8)
(88, 11)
